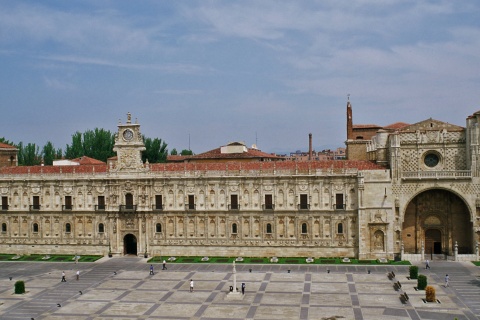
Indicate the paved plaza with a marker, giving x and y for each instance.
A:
(122, 288)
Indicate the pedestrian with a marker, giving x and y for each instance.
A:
(151, 270)
(447, 279)
(78, 275)
(63, 277)
(191, 285)
(243, 287)
(427, 264)
(164, 265)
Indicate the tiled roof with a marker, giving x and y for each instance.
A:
(53, 169)
(396, 125)
(6, 146)
(269, 165)
(87, 161)
(210, 166)
(177, 158)
(250, 154)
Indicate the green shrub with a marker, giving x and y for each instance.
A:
(422, 282)
(413, 272)
(19, 287)
(430, 294)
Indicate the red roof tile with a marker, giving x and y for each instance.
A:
(88, 161)
(250, 154)
(6, 146)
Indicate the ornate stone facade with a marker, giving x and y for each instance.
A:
(424, 192)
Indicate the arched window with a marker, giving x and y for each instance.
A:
(68, 228)
(269, 228)
(35, 227)
(4, 227)
(101, 228)
(340, 228)
(304, 228)
(234, 228)
(158, 227)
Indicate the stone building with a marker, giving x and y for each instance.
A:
(413, 188)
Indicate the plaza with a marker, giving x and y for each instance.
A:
(122, 288)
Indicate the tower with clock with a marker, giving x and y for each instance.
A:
(129, 146)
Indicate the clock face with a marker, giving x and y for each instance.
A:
(431, 160)
(128, 134)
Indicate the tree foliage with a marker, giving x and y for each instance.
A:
(97, 144)
(155, 150)
(186, 152)
(29, 155)
(48, 153)
(174, 152)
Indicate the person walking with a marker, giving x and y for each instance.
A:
(78, 275)
(151, 270)
(164, 265)
(447, 279)
(243, 287)
(191, 285)
(427, 264)
(63, 277)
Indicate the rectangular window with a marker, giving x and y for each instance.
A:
(4, 203)
(158, 202)
(339, 201)
(303, 201)
(101, 203)
(68, 203)
(234, 202)
(36, 203)
(268, 202)
(191, 202)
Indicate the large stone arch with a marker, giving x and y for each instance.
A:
(438, 218)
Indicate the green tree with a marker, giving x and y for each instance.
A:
(48, 153)
(174, 152)
(28, 155)
(75, 150)
(186, 152)
(97, 144)
(155, 150)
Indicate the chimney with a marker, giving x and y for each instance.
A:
(309, 146)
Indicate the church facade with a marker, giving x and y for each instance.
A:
(414, 190)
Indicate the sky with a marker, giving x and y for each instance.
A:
(201, 74)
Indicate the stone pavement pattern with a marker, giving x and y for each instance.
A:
(121, 288)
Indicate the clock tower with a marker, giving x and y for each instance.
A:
(129, 146)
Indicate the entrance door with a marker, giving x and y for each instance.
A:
(130, 244)
(129, 201)
(433, 241)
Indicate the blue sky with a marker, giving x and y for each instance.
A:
(211, 72)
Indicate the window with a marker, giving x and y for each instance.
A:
(4, 203)
(431, 159)
(129, 201)
(68, 228)
(36, 203)
(191, 202)
(158, 228)
(35, 227)
(234, 228)
(101, 203)
(234, 202)
(68, 203)
(269, 228)
(303, 201)
(268, 202)
(4, 227)
(340, 228)
(339, 201)
(304, 228)
(101, 228)
(158, 202)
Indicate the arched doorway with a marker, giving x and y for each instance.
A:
(130, 244)
(438, 219)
